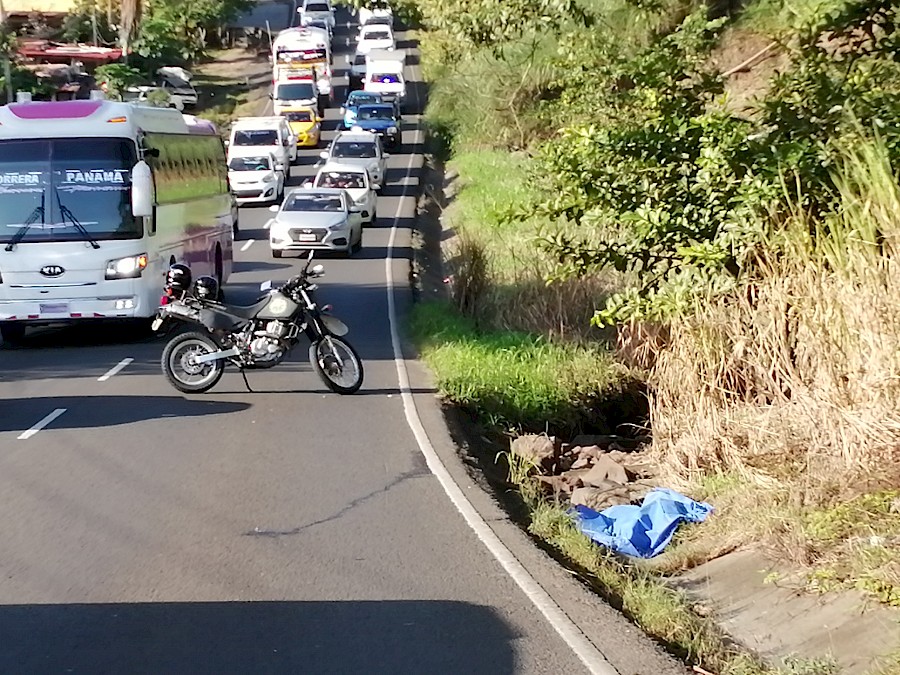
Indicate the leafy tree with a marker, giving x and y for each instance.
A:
(175, 31)
(116, 78)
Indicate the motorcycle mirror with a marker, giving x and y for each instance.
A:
(318, 270)
(266, 285)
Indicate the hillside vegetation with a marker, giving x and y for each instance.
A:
(617, 188)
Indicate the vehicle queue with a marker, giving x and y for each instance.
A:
(329, 211)
(98, 198)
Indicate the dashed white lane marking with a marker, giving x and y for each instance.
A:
(25, 435)
(577, 641)
(247, 244)
(114, 370)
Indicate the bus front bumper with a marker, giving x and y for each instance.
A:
(62, 310)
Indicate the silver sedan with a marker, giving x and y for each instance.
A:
(316, 218)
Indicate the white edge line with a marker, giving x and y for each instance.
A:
(247, 244)
(114, 370)
(25, 435)
(583, 648)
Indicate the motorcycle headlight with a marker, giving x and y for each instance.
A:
(392, 130)
(126, 268)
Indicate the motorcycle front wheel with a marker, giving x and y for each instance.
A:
(337, 364)
(180, 370)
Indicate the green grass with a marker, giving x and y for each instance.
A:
(772, 17)
(514, 380)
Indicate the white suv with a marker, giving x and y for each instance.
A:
(361, 149)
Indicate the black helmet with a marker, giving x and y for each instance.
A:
(178, 278)
(206, 288)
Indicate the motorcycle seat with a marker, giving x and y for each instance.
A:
(243, 312)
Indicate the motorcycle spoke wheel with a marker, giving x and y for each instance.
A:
(181, 370)
(337, 364)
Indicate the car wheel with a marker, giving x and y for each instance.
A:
(276, 254)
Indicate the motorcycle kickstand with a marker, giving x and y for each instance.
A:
(246, 383)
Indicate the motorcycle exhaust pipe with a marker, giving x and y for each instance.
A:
(216, 356)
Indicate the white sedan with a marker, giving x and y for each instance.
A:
(315, 218)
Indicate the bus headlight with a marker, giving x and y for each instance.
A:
(126, 268)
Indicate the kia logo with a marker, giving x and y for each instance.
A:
(52, 270)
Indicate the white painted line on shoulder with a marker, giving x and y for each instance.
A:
(577, 641)
(247, 244)
(114, 370)
(25, 435)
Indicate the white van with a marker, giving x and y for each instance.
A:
(265, 134)
(384, 75)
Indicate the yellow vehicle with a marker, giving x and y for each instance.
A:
(306, 124)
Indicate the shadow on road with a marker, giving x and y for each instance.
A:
(88, 412)
(255, 637)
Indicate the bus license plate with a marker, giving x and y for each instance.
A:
(55, 308)
(306, 237)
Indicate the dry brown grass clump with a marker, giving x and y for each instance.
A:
(791, 386)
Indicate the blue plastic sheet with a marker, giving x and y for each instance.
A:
(640, 531)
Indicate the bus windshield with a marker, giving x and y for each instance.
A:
(45, 184)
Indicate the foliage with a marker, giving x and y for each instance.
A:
(682, 187)
(78, 25)
(177, 32)
(116, 78)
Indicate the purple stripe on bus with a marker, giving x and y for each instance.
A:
(54, 110)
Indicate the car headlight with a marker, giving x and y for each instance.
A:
(269, 176)
(392, 130)
(126, 268)
(337, 226)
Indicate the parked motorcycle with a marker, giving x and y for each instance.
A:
(258, 336)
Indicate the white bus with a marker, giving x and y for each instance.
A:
(97, 199)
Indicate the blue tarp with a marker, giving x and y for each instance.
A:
(640, 531)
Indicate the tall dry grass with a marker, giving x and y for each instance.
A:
(795, 380)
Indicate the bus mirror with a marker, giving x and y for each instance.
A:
(141, 190)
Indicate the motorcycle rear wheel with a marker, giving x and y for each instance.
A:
(337, 364)
(187, 377)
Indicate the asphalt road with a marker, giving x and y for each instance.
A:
(284, 530)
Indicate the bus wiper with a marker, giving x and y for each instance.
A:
(65, 212)
(22, 231)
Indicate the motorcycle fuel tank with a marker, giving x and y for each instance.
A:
(279, 306)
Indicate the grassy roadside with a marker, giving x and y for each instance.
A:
(774, 398)
(231, 83)
(515, 381)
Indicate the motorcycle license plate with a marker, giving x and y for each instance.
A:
(157, 322)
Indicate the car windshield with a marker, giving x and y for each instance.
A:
(255, 137)
(249, 164)
(353, 149)
(299, 116)
(371, 112)
(295, 91)
(53, 183)
(317, 7)
(385, 78)
(348, 180)
(377, 35)
(359, 60)
(313, 203)
(358, 100)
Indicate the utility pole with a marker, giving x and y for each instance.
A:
(93, 23)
